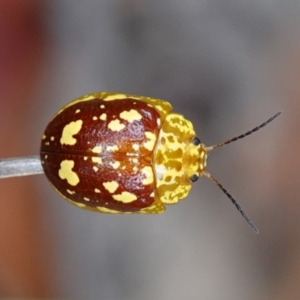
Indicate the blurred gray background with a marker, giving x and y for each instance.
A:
(227, 65)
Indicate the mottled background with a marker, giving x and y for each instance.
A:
(227, 65)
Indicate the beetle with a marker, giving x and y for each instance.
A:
(125, 154)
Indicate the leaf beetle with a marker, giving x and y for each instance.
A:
(119, 153)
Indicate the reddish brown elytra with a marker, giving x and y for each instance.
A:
(119, 153)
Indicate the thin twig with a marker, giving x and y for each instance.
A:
(20, 166)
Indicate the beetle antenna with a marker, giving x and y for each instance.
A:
(232, 200)
(245, 134)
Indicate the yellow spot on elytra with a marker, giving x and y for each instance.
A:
(130, 154)
(111, 186)
(158, 122)
(131, 115)
(102, 106)
(159, 107)
(135, 168)
(107, 210)
(43, 137)
(46, 156)
(70, 130)
(85, 158)
(87, 97)
(134, 97)
(77, 111)
(112, 148)
(97, 191)
(97, 149)
(81, 205)
(115, 164)
(95, 168)
(52, 138)
(151, 140)
(152, 194)
(65, 172)
(47, 143)
(78, 100)
(136, 147)
(70, 192)
(97, 159)
(115, 125)
(134, 160)
(86, 199)
(125, 197)
(103, 117)
(95, 118)
(115, 97)
(148, 172)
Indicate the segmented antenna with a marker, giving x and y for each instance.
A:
(245, 134)
(232, 200)
(207, 149)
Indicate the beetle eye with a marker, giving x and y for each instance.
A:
(196, 141)
(194, 178)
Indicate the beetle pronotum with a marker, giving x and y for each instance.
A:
(120, 153)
